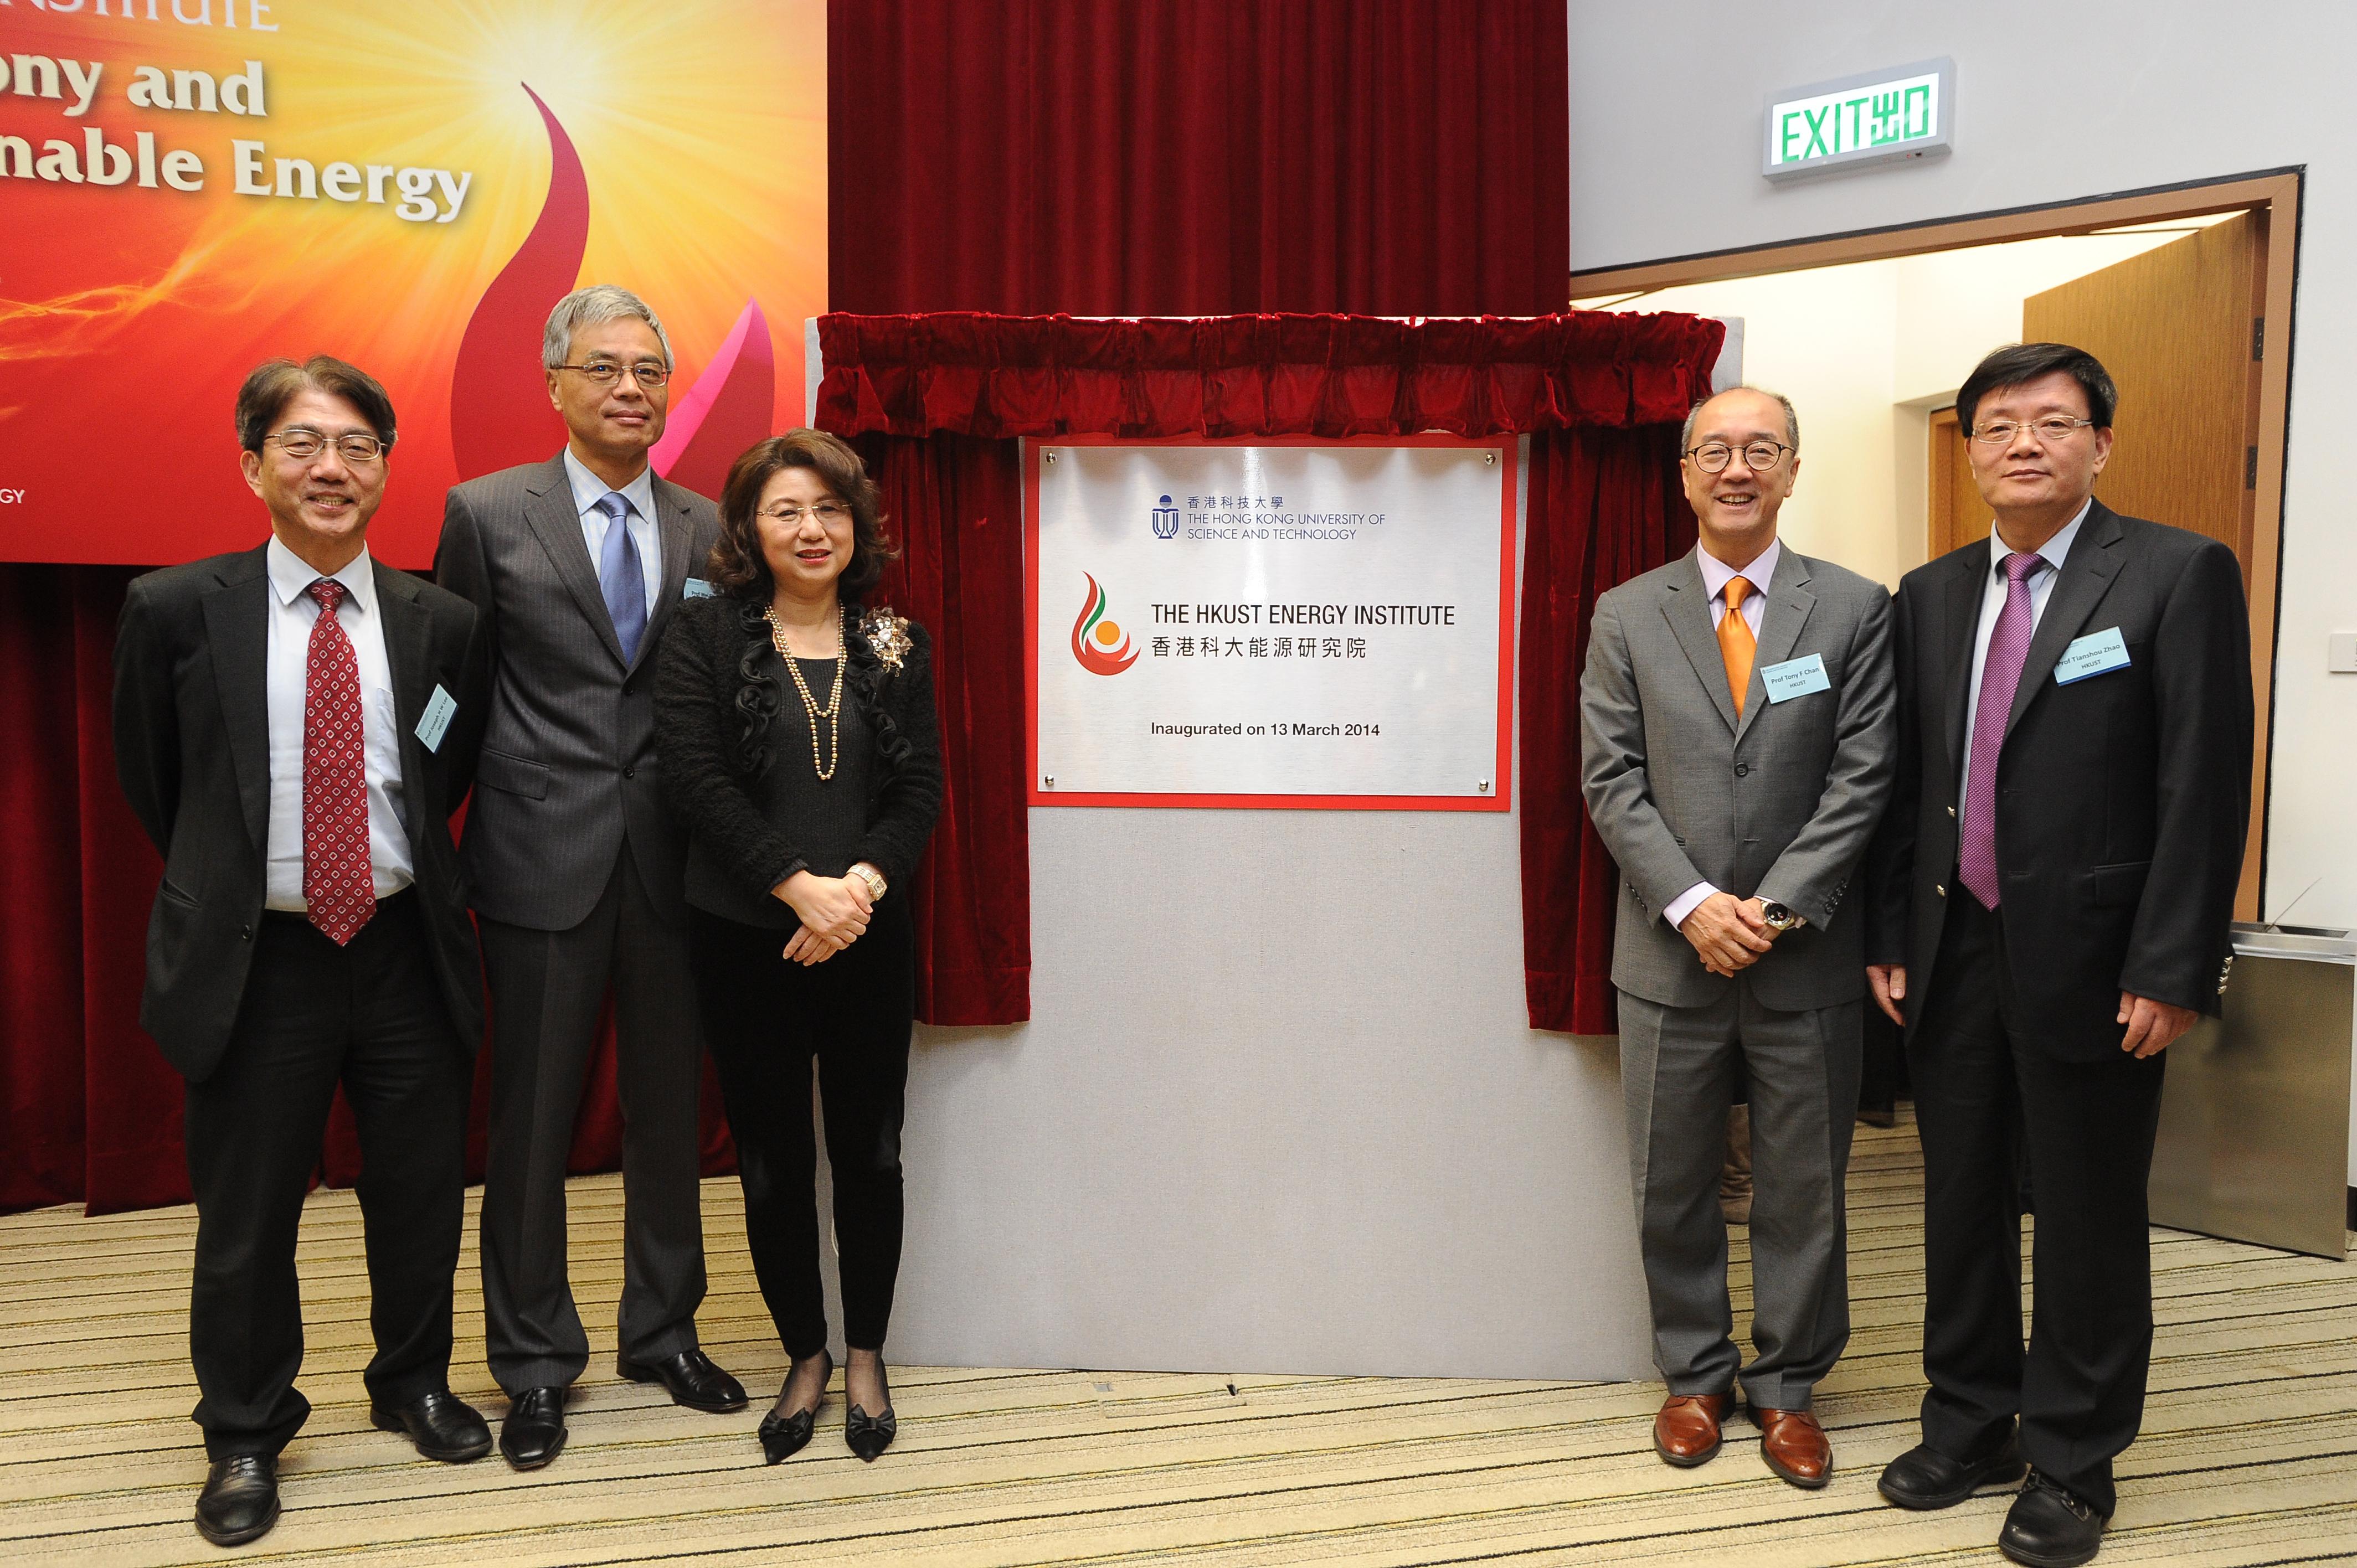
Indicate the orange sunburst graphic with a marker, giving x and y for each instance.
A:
(1098, 640)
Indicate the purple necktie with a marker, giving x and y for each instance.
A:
(2008, 648)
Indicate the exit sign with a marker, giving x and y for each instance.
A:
(1901, 115)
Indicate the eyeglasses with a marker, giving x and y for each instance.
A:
(606, 372)
(2001, 432)
(1713, 457)
(830, 514)
(303, 444)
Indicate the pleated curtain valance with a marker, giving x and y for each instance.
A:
(971, 373)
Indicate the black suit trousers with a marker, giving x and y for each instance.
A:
(371, 1016)
(1983, 1078)
(767, 1019)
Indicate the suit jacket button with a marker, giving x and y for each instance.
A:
(1941, 888)
(1952, 811)
(245, 933)
(1742, 770)
(629, 773)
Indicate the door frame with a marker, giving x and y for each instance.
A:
(2274, 193)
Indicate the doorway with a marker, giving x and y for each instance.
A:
(2184, 292)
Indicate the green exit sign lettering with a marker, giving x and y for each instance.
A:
(1901, 115)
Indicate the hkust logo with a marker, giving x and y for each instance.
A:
(1098, 642)
(1166, 520)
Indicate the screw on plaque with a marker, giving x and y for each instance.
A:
(1052, 782)
(1488, 457)
(1047, 457)
(1485, 786)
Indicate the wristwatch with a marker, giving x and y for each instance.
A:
(870, 876)
(1778, 915)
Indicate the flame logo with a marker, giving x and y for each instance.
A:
(499, 407)
(1099, 644)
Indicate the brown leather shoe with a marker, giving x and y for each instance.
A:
(1685, 1431)
(1795, 1446)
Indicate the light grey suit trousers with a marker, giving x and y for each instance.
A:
(1776, 803)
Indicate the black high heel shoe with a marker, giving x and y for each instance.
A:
(868, 1435)
(784, 1437)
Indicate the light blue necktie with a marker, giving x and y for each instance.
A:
(620, 577)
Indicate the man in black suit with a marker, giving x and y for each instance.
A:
(285, 729)
(577, 565)
(2052, 888)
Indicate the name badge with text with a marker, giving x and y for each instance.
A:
(2099, 653)
(1795, 677)
(697, 589)
(435, 723)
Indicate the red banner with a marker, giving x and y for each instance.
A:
(188, 187)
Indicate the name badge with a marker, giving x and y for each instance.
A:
(435, 723)
(1795, 677)
(697, 589)
(2099, 654)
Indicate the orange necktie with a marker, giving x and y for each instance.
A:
(1735, 644)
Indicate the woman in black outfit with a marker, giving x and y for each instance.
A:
(797, 736)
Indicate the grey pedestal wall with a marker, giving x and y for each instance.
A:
(1278, 1110)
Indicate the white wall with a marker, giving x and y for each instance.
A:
(1955, 306)
(1865, 351)
(1824, 338)
(2059, 104)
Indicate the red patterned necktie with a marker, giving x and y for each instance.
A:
(2009, 649)
(337, 881)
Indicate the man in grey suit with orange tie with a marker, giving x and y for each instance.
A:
(1738, 739)
(578, 868)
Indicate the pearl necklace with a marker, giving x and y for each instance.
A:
(832, 711)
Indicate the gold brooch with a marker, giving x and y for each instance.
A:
(887, 634)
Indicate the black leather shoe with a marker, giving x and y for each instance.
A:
(1923, 1477)
(692, 1378)
(2050, 1527)
(240, 1502)
(533, 1432)
(443, 1425)
(868, 1435)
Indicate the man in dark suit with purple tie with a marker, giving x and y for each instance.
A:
(2052, 893)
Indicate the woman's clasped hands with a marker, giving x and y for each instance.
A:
(834, 909)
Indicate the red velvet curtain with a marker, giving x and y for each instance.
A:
(1196, 157)
(1599, 395)
(1192, 157)
(1605, 506)
(89, 1111)
(955, 505)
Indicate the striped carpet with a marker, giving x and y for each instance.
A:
(2249, 1454)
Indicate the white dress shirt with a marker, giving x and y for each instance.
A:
(1716, 576)
(588, 490)
(1992, 585)
(293, 613)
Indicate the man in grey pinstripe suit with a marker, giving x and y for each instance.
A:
(1738, 737)
(575, 566)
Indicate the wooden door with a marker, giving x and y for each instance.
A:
(1958, 515)
(2176, 328)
